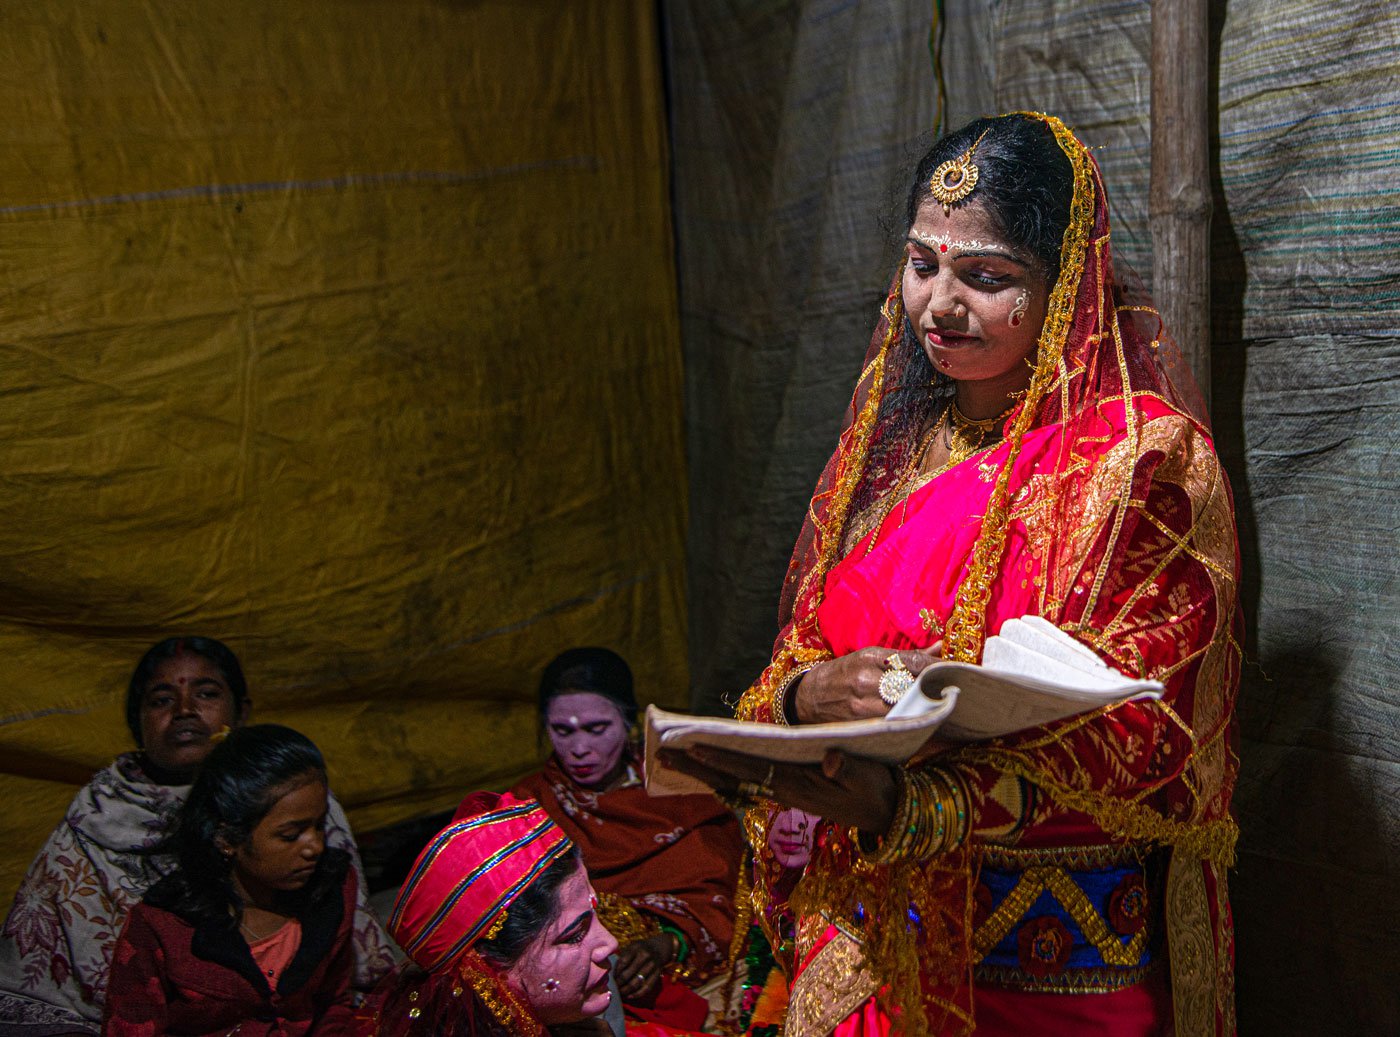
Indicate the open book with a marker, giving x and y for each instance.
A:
(1032, 673)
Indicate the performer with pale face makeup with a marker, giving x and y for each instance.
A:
(790, 837)
(665, 869)
(589, 734)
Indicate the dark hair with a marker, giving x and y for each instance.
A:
(530, 912)
(1025, 182)
(243, 776)
(437, 1004)
(597, 671)
(162, 652)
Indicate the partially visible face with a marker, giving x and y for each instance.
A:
(976, 303)
(281, 852)
(588, 734)
(186, 701)
(790, 837)
(563, 973)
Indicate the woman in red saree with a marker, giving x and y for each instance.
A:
(665, 869)
(1020, 442)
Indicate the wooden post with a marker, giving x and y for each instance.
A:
(1180, 199)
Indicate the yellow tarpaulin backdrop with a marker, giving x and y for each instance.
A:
(344, 332)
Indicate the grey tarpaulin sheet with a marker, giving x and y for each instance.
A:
(789, 121)
(793, 124)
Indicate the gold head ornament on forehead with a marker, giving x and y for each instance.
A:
(954, 180)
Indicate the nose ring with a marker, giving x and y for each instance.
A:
(960, 311)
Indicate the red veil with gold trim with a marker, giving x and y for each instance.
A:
(1104, 510)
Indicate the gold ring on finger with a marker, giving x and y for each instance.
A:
(896, 681)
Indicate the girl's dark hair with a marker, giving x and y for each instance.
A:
(530, 912)
(1025, 182)
(243, 776)
(216, 652)
(598, 671)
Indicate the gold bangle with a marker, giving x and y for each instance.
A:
(895, 844)
(781, 693)
(933, 822)
(930, 820)
(962, 805)
(951, 808)
(947, 809)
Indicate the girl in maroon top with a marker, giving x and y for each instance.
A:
(252, 931)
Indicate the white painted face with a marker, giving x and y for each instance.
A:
(790, 837)
(563, 973)
(588, 733)
(976, 304)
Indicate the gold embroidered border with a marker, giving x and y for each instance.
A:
(1191, 948)
(1076, 858)
(829, 989)
(624, 921)
(967, 626)
(1071, 981)
(1224, 953)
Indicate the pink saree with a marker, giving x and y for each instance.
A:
(1090, 894)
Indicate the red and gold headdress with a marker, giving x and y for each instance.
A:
(466, 878)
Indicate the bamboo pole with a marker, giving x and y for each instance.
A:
(1180, 197)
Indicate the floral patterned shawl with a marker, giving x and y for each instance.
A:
(56, 945)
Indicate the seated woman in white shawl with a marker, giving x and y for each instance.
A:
(56, 944)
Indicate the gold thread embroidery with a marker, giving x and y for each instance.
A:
(832, 986)
(1077, 858)
(1071, 981)
(1035, 881)
(1193, 968)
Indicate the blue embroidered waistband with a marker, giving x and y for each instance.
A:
(1056, 927)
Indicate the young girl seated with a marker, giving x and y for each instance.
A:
(251, 933)
(108, 849)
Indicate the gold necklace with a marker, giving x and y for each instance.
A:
(964, 436)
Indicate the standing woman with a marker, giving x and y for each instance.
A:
(665, 869)
(1018, 443)
(251, 932)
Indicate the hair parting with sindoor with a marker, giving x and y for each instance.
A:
(1025, 183)
(1025, 186)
